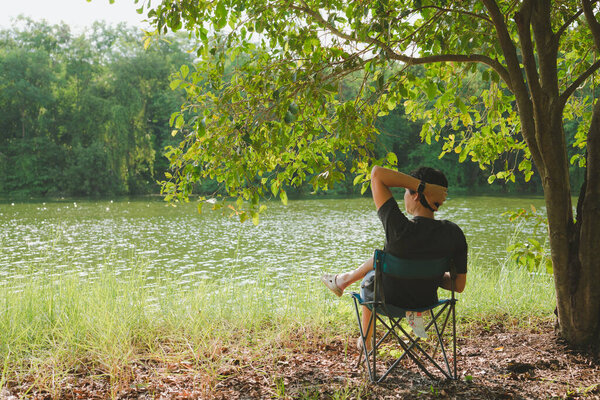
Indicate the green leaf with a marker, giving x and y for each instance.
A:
(364, 187)
(259, 26)
(461, 106)
(431, 90)
(201, 127)
(221, 14)
(495, 77)
(392, 159)
(275, 188)
(463, 155)
(174, 84)
(284, 197)
(525, 165)
(185, 70)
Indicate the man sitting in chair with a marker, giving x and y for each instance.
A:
(423, 237)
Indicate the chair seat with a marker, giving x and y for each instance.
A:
(390, 310)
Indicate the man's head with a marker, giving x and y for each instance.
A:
(428, 175)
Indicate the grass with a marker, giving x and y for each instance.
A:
(502, 288)
(52, 327)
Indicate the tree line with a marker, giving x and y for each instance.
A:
(84, 114)
(88, 114)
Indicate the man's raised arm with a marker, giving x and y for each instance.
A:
(383, 178)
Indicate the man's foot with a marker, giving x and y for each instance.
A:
(359, 343)
(415, 321)
(329, 281)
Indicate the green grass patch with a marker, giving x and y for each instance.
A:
(53, 326)
(504, 288)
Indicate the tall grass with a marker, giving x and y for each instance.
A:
(496, 288)
(53, 326)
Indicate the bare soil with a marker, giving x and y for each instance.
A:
(495, 362)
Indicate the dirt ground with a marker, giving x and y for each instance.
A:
(495, 362)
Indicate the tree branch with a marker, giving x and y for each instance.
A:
(564, 27)
(519, 88)
(473, 58)
(523, 21)
(508, 48)
(392, 54)
(593, 23)
(582, 78)
(452, 10)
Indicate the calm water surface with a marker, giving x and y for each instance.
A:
(310, 236)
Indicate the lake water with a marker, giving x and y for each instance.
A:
(311, 236)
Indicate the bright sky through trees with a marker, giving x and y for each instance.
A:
(76, 13)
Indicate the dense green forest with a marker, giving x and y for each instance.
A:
(84, 114)
(88, 114)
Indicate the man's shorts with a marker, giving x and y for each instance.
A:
(367, 286)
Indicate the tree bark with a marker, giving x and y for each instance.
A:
(579, 308)
(574, 244)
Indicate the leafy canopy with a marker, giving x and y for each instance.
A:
(264, 110)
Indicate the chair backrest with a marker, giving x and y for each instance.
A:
(402, 268)
(411, 268)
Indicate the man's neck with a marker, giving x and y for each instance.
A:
(423, 212)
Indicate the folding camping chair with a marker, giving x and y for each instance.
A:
(410, 345)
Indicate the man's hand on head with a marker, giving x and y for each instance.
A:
(435, 195)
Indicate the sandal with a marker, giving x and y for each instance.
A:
(329, 281)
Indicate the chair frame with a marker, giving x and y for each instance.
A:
(440, 315)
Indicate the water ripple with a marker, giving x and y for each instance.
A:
(306, 236)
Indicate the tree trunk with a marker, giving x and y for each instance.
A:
(23, 123)
(575, 246)
(579, 301)
(557, 196)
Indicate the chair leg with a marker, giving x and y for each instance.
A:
(409, 350)
(363, 348)
(440, 341)
(417, 353)
(454, 339)
(373, 352)
(424, 360)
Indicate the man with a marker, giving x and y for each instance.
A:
(420, 238)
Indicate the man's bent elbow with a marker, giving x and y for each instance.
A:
(460, 283)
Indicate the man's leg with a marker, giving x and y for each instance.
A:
(346, 279)
(366, 320)
(337, 283)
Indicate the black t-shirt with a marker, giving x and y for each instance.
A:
(419, 238)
